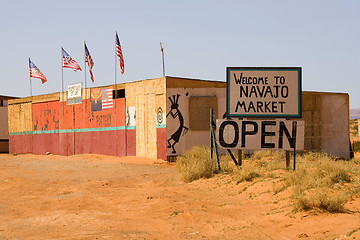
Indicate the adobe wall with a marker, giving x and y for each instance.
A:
(188, 116)
(188, 103)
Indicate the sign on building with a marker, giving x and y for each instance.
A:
(260, 134)
(102, 99)
(74, 94)
(263, 92)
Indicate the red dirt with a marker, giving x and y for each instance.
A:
(100, 197)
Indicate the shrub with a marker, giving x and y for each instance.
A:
(270, 154)
(226, 163)
(247, 172)
(322, 199)
(313, 180)
(321, 172)
(196, 164)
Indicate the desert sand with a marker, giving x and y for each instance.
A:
(102, 197)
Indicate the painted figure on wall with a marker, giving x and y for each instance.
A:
(175, 113)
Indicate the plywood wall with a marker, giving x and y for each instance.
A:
(20, 115)
(4, 123)
(147, 97)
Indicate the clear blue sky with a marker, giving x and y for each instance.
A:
(200, 39)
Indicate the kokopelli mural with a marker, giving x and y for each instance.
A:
(175, 113)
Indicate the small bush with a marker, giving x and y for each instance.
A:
(303, 204)
(313, 180)
(270, 154)
(310, 157)
(247, 172)
(319, 170)
(322, 199)
(196, 164)
(226, 164)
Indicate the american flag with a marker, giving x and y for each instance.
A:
(35, 72)
(119, 54)
(107, 98)
(89, 61)
(68, 62)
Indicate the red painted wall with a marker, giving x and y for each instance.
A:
(161, 143)
(20, 143)
(131, 142)
(46, 143)
(75, 129)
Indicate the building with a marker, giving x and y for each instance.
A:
(155, 118)
(4, 137)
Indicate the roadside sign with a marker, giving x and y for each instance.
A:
(260, 134)
(263, 92)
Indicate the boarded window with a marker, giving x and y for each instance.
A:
(120, 93)
(199, 109)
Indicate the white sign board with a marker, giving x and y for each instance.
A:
(260, 134)
(263, 92)
(74, 90)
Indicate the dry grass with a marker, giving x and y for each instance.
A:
(261, 164)
(247, 173)
(322, 199)
(319, 182)
(196, 164)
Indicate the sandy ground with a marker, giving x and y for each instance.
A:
(98, 197)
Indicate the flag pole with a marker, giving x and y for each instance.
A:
(62, 80)
(115, 93)
(30, 85)
(163, 62)
(85, 73)
(32, 125)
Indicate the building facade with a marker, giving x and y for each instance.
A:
(155, 118)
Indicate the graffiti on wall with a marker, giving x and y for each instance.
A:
(102, 120)
(47, 119)
(181, 130)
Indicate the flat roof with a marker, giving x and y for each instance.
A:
(171, 82)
